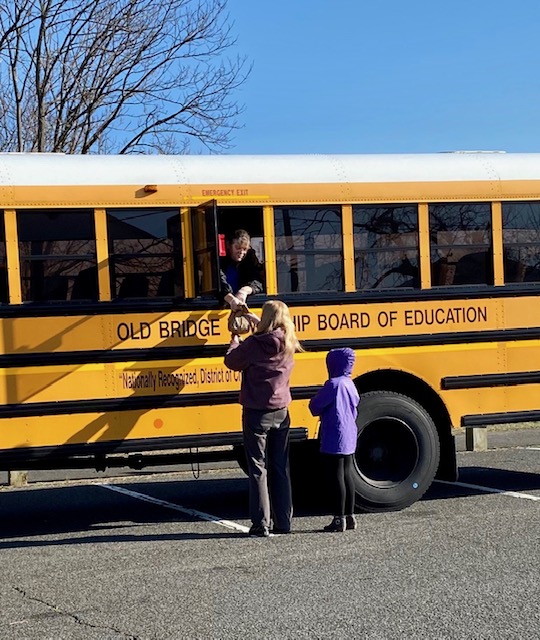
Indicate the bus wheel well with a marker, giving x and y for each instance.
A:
(415, 388)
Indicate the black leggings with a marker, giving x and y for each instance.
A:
(339, 474)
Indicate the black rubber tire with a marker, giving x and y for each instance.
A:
(305, 464)
(240, 454)
(397, 454)
(304, 460)
(305, 467)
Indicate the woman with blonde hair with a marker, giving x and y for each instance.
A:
(266, 360)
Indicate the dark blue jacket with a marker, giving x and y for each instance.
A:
(249, 271)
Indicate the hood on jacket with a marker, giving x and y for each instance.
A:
(271, 342)
(340, 362)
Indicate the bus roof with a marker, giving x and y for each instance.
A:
(35, 169)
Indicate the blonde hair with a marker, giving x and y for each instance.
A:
(275, 315)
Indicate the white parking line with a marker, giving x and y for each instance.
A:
(534, 448)
(512, 494)
(176, 507)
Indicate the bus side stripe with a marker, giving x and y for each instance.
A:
(491, 380)
(484, 419)
(138, 403)
(41, 457)
(218, 351)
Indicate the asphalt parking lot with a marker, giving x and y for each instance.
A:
(165, 555)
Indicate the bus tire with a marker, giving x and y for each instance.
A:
(397, 452)
(305, 469)
(240, 455)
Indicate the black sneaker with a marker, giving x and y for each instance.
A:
(350, 522)
(336, 526)
(258, 531)
(276, 531)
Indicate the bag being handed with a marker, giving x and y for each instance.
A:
(238, 323)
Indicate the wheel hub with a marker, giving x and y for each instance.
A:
(387, 452)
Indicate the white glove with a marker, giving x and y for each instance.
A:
(234, 302)
(243, 293)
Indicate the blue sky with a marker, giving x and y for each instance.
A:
(388, 76)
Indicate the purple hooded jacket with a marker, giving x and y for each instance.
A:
(336, 404)
(266, 370)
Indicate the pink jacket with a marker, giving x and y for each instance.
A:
(265, 368)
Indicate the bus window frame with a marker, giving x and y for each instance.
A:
(206, 209)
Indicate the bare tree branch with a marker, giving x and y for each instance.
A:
(117, 75)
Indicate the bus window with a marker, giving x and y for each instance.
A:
(309, 249)
(249, 218)
(205, 249)
(3, 267)
(55, 246)
(521, 241)
(85, 285)
(386, 246)
(145, 252)
(461, 247)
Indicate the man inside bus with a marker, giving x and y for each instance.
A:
(241, 273)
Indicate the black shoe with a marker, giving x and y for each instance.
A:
(336, 526)
(258, 531)
(350, 522)
(276, 531)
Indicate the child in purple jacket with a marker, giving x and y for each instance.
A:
(336, 404)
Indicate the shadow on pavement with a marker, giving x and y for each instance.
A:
(86, 513)
(489, 478)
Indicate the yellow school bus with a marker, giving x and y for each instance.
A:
(113, 332)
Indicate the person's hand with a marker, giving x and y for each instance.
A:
(235, 303)
(235, 341)
(243, 293)
(253, 319)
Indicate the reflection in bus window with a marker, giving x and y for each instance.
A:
(145, 253)
(203, 227)
(461, 246)
(521, 241)
(309, 249)
(386, 246)
(85, 285)
(55, 247)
